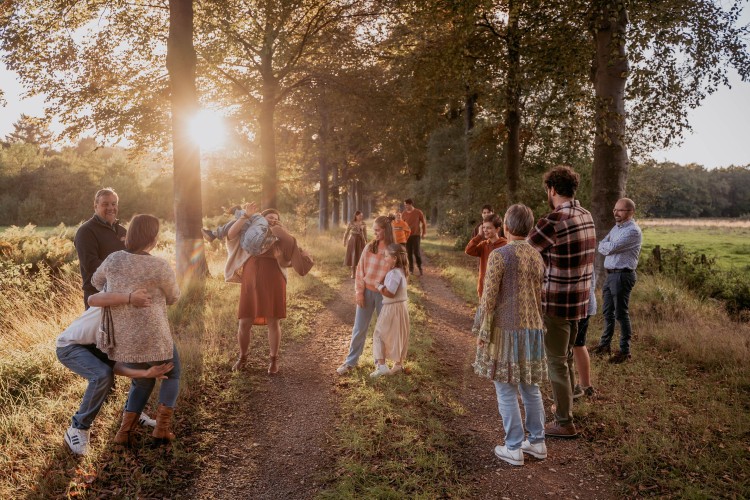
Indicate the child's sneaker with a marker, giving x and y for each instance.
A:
(77, 440)
(380, 370)
(208, 234)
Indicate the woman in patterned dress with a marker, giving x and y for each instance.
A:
(510, 343)
(355, 239)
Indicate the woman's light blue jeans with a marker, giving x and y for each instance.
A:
(362, 318)
(141, 388)
(507, 403)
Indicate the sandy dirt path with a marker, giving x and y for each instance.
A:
(275, 443)
(569, 471)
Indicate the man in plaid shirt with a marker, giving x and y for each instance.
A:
(567, 241)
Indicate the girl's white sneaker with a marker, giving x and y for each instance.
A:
(380, 370)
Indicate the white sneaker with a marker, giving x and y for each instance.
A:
(513, 457)
(538, 450)
(77, 440)
(145, 420)
(380, 370)
(344, 369)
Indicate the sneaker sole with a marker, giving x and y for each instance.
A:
(562, 436)
(509, 460)
(534, 454)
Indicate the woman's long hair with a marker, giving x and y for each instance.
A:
(384, 222)
(402, 261)
(354, 217)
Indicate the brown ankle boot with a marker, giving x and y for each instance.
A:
(129, 423)
(163, 429)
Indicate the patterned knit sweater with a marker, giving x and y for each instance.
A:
(141, 333)
(509, 320)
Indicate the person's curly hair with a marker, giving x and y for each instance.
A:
(564, 179)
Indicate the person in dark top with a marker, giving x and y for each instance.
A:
(98, 237)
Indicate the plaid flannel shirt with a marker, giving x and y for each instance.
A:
(567, 241)
(371, 270)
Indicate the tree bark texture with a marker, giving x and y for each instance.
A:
(323, 152)
(345, 209)
(191, 262)
(609, 72)
(335, 197)
(269, 176)
(470, 102)
(513, 102)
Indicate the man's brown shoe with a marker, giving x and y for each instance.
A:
(553, 429)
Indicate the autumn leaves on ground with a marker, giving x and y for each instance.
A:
(673, 422)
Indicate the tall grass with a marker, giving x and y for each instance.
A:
(672, 422)
(38, 395)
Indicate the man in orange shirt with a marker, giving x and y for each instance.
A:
(418, 226)
(401, 229)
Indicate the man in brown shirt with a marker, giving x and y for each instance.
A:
(418, 225)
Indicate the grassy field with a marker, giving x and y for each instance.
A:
(730, 244)
(38, 395)
(674, 422)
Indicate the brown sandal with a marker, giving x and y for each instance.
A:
(273, 367)
(240, 363)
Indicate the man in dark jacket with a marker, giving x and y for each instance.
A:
(98, 237)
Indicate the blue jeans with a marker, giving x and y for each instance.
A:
(253, 233)
(93, 365)
(140, 388)
(373, 302)
(507, 403)
(616, 295)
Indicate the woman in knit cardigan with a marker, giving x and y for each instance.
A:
(141, 336)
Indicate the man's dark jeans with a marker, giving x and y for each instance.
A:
(616, 295)
(413, 252)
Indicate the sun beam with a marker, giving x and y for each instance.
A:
(208, 129)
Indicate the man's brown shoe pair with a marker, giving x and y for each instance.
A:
(553, 429)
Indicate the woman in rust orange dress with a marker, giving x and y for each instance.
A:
(263, 285)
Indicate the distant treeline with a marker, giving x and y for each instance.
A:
(46, 187)
(672, 190)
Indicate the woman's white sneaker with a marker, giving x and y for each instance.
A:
(537, 450)
(380, 370)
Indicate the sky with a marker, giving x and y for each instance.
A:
(721, 124)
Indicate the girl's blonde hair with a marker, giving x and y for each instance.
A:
(402, 261)
(383, 222)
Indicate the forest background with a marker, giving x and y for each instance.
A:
(336, 106)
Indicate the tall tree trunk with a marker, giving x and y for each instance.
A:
(354, 200)
(513, 102)
(346, 208)
(470, 101)
(188, 205)
(609, 73)
(335, 197)
(269, 177)
(323, 163)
